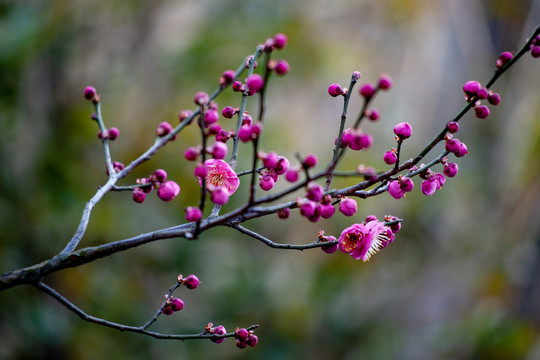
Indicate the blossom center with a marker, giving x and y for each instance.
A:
(350, 243)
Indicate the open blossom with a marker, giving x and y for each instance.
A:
(219, 174)
(363, 240)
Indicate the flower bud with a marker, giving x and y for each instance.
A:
(168, 190)
(193, 213)
(403, 130)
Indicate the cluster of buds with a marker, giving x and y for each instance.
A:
(432, 181)
(329, 248)
(172, 305)
(166, 189)
(475, 92)
(117, 167)
(355, 139)
(215, 330)
(250, 130)
(108, 134)
(274, 165)
(245, 337)
(315, 205)
(398, 188)
(535, 47)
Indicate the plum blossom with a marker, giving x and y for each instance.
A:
(363, 240)
(219, 174)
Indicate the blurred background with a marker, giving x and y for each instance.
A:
(461, 281)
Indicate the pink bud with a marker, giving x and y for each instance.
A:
(254, 82)
(390, 157)
(450, 169)
(210, 117)
(310, 160)
(193, 213)
(481, 111)
(269, 160)
(452, 145)
(334, 90)
(291, 175)
(403, 130)
(406, 184)
(314, 192)
(504, 58)
(367, 90)
(494, 98)
(482, 94)
(280, 41)
(138, 195)
(394, 189)
(184, 114)
(462, 151)
(429, 186)
(471, 88)
(347, 206)
(160, 175)
(220, 196)
(191, 153)
(284, 213)
(218, 330)
(330, 249)
(245, 133)
(168, 190)
(201, 98)
(227, 77)
(266, 182)
(237, 86)
(308, 208)
(90, 93)
(113, 133)
(252, 340)
(282, 165)
(200, 171)
(327, 211)
(228, 112)
(163, 129)
(167, 310)
(452, 127)
(191, 282)
(282, 67)
(385, 82)
(373, 114)
(176, 304)
(219, 150)
(535, 51)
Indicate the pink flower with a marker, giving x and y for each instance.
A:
(220, 174)
(361, 241)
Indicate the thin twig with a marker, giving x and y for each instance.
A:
(121, 327)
